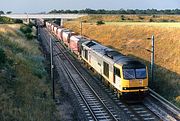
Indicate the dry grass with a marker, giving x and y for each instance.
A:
(124, 37)
(147, 24)
(129, 38)
(132, 18)
(24, 90)
(12, 32)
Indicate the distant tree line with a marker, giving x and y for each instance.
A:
(8, 12)
(121, 11)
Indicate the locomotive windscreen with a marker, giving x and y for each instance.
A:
(134, 73)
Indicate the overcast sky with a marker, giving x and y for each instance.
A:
(33, 6)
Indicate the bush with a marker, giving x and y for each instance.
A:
(30, 25)
(29, 36)
(151, 20)
(154, 16)
(100, 22)
(172, 21)
(18, 21)
(164, 20)
(6, 20)
(140, 17)
(25, 29)
(123, 17)
(2, 57)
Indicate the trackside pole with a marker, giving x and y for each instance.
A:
(81, 27)
(52, 67)
(152, 59)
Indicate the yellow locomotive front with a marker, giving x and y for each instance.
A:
(133, 78)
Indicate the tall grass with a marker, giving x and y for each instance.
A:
(24, 86)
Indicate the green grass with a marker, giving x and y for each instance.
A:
(25, 93)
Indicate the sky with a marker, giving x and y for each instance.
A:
(34, 6)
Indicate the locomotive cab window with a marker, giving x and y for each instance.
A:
(134, 73)
(129, 73)
(141, 73)
(117, 72)
(106, 69)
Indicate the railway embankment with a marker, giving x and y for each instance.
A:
(131, 38)
(24, 85)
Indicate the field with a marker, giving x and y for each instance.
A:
(131, 38)
(24, 87)
(147, 24)
(132, 18)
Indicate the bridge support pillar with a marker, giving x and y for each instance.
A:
(61, 23)
(28, 20)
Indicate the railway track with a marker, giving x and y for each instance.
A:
(163, 108)
(154, 107)
(95, 105)
(154, 104)
(136, 112)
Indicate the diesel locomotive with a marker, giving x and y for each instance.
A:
(128, 76)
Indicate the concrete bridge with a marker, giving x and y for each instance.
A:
(44, 16)
(28, 16)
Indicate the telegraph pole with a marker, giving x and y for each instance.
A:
(152, 59)
(52, 67)
(81, 27)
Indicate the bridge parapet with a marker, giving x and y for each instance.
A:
(44, 16)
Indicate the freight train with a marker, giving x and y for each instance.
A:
(126, 75)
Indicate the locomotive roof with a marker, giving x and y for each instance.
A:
(96, 47)
(121, 59)
(115, 56)
(125, 60)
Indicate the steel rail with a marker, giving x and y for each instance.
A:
(114, 118)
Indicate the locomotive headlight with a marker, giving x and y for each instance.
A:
(124, 88)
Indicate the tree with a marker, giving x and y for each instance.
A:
(25, 29)
(9, 12)
(121, 11)
(1, 12)
(18, 21)
(90, 11)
